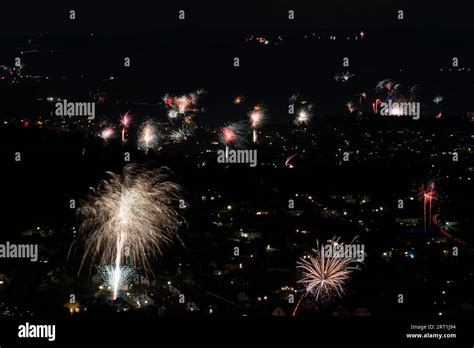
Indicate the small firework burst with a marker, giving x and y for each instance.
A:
(179, 135)
(361, 96)
(182, 105)
(438, 99)
(125, 121)
(148, 136)
(325, 275)
(304, 115)
(188, 124)
(350, 107)
(239, 99)
(343, 77)
(107, 133)
(386, 84)
(427, 195)
(233, 135)
(257, 116)
(172, 114)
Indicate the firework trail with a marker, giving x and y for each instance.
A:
(129, 215)
(323, 275)
(428, 195)
(257, 117)
(125, 121)
(361, 96)
(233, 135)
(148, 136)
(288, 160)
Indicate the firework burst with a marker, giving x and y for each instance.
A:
(343, 77)
(239, 99)
(233, 135)
(125, 121)
(257, 117)
(438, 99)
(182, 105)
(350, 107)
(304, 115)
(107, 133)
(148, 136)
(325, 276)
(179, 135)
(188, 124)
(129, 216)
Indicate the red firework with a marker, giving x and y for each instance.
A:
(428, 195)
(228, 135)
(125, 120)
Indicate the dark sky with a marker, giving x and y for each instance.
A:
(116, 17)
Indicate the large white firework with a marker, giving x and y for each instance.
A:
(130, 216)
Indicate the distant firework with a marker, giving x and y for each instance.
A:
(304, 115)
(188, 124)
(148, 136)
(179, 135)
(350, 107)
(233, 135)
(107, 133)
(427, 195)
(325, 276)
(438, 99)
(125, 121)
(182, 105)
(257, 117)
(239, 99)
(288, 160)
(129, 217)
(386, 84)
(343, 77)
